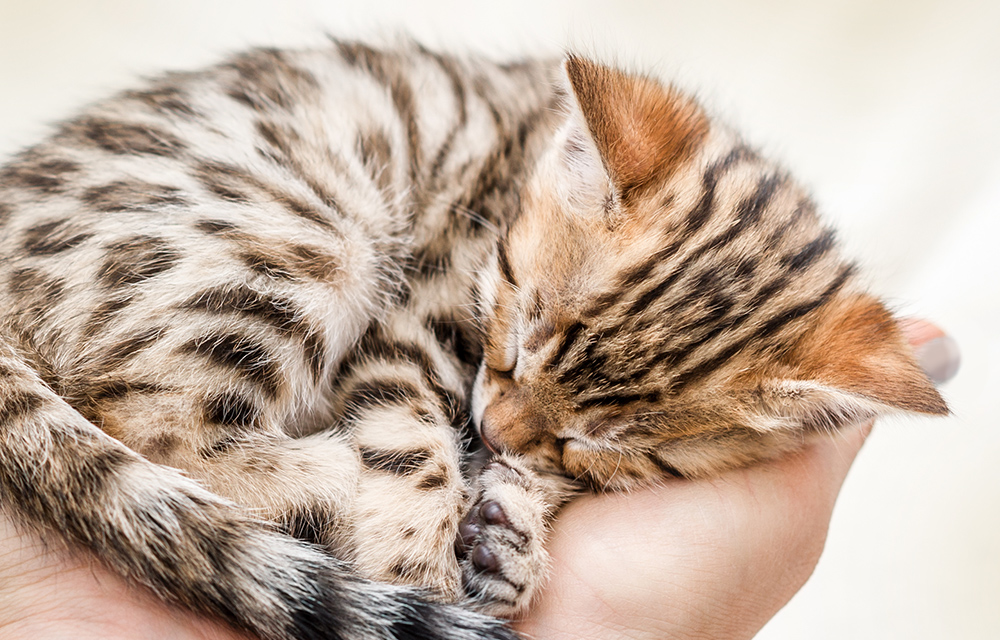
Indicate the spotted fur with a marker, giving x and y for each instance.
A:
(311, 280)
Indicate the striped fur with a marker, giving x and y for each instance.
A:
(306, 278)
(666, 299)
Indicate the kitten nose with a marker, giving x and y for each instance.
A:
(511, 422)
(483, 431)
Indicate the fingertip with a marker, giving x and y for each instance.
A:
(940, 358)
(919, 331)
(937, 352)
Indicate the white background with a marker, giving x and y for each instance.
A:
(890, 111)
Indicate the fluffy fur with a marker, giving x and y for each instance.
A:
(306, 279)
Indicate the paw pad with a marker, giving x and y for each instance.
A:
(470, 535)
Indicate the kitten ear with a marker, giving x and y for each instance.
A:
(854, 364)
(641, 130)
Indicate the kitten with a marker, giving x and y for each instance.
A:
(290, 295)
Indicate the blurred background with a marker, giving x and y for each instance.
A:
(889, 111)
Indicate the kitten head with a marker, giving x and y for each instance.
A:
(668, 301)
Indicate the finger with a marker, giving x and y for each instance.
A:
(937, 352)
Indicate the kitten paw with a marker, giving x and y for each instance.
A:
(500, 541)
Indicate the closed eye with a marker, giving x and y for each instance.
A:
(505, 364)
(503, 374)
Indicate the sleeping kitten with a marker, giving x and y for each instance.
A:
(291, 295)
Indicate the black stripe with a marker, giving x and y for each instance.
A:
(429, 261)
(50, 238)
(278, 312)
(309, 524)
(38, 173)
(314, 347)
(136, 259)
(805, 207)
(265, 265)
(433, 481)
(167, 100)
(810, 253)
(103, 313)
(503, 261)
(125, 138)
(35, 285)
(117, 389)
(124, 350)
(617, 399)
(713, 324)
(457, 339)
(231, 183)
(634, 276)
(793, 313)
(750, 210)
(702, 212)
(132, 195)
(454, 405)
(776, 322)
(566, 342)
(400, 463)
(381, 68)
(590, 369)
(717, 323)
(267, 79)
(665, 468)
(378, 346)
(748, 214)
(231, 409)
(222, 446)
(18, 404)
(657, 291)
(304, 210)
(244, 355)
(718, 320)
(215, 227)
(378, 393)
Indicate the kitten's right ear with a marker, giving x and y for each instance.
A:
(631, 127)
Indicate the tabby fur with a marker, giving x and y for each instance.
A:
(258, 320)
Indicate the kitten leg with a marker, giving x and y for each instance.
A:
(402, 395)
(305, 484)
(502, 538)
(411, 493)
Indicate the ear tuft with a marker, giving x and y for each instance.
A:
(643, 131)
(792, 405)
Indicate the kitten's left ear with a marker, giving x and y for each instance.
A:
(641, 130)
(854, 364)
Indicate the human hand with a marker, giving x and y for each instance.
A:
(48, 592)
(690, 559)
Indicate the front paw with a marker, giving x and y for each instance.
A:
(500, 540)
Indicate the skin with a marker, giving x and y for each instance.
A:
(686, 560)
